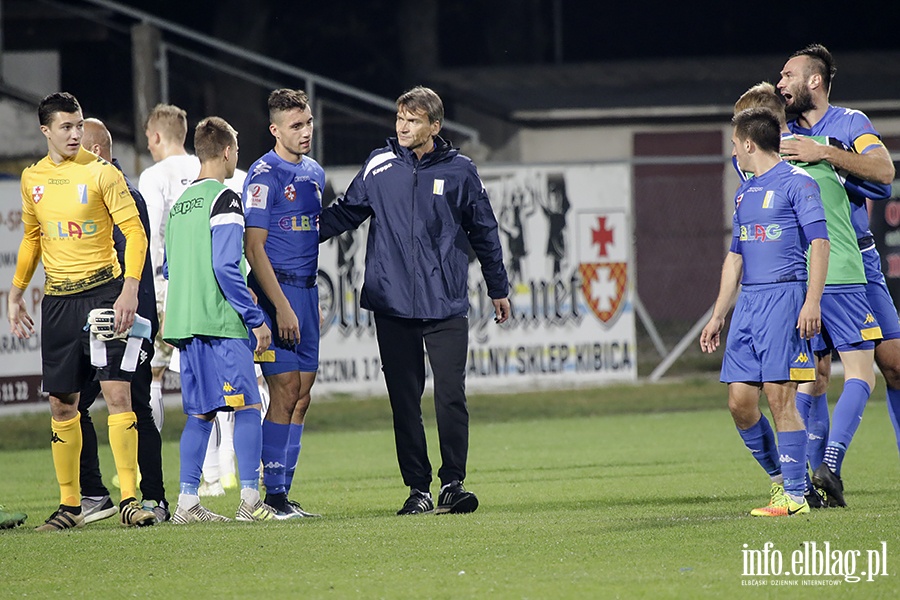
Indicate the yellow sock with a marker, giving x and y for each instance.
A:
(123, 440)
(65, 445)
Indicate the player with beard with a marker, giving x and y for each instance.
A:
(866, 164)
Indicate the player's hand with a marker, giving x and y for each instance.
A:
(20, 322)
(710, 336)
(288, 326)
(263, 338)
(501, 310)
(803, 149)
(809, 323)
(126, 305)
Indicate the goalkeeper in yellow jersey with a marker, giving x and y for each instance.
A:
(71, 199)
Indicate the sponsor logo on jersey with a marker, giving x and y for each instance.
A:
(257, 196)
(292, 224)
(57, 181)
(750, 190)
(72, 230)
(438, 188)
(760, 232)
(37, 192)
(290, 192)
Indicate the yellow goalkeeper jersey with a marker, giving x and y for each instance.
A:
(74, 204)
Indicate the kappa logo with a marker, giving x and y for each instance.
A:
(37, 192)
(290, 192)
(869, 319)
(234, 203)
(382, 169)
(260, 168)
(803, 357)
(132, 426)
(55, 439)
(227, 388)
(274, 465)
(143, 356)
(812, 436)
(784, 458)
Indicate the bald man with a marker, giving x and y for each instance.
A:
(96, 503)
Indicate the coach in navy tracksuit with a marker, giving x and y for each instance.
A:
(427, 205)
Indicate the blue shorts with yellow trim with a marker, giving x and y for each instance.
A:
(217, 374)
(879, 298)
(848, 322)
(282, 357)
(763, 342)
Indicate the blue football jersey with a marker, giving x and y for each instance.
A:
(855, 133)
(768, 215)
(286, 199)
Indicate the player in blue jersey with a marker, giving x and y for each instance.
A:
(866, 164)
(848, 324)
(282, 202)
(778, 214)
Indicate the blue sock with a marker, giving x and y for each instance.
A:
(893, 402)
(293, 454)
(274, 443)
(760, 440)
(847, 414)
(792, 453)
(248, 446)
(194, 440)
(817, 430)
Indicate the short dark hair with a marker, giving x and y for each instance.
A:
(759, 125)
(54, 103)
(211, 136)
(422, 99)
(285, 99)
(821, 62)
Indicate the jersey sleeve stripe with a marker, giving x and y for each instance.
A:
(226, 219)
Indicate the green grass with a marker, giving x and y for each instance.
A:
(584, 494)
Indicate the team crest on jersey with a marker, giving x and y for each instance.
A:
(37, 192)
(737, 201)
(290, 192)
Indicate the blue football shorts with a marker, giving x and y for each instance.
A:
(848, 322)
(879, 298)
(763, 342)
(217, 374)
(281, 356)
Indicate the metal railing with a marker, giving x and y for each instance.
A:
(312, 81)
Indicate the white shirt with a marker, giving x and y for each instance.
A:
(161, 185)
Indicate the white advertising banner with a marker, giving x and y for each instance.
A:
(20, 360)
(567, 246)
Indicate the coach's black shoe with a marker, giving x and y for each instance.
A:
(824, 478)
(455, 499)
(418, 503)
(814, 498)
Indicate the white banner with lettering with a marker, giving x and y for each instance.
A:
(567, 246)
(20, 360)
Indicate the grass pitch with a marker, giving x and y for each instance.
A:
(579, 499)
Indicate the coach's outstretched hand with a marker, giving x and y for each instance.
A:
(263, 338)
